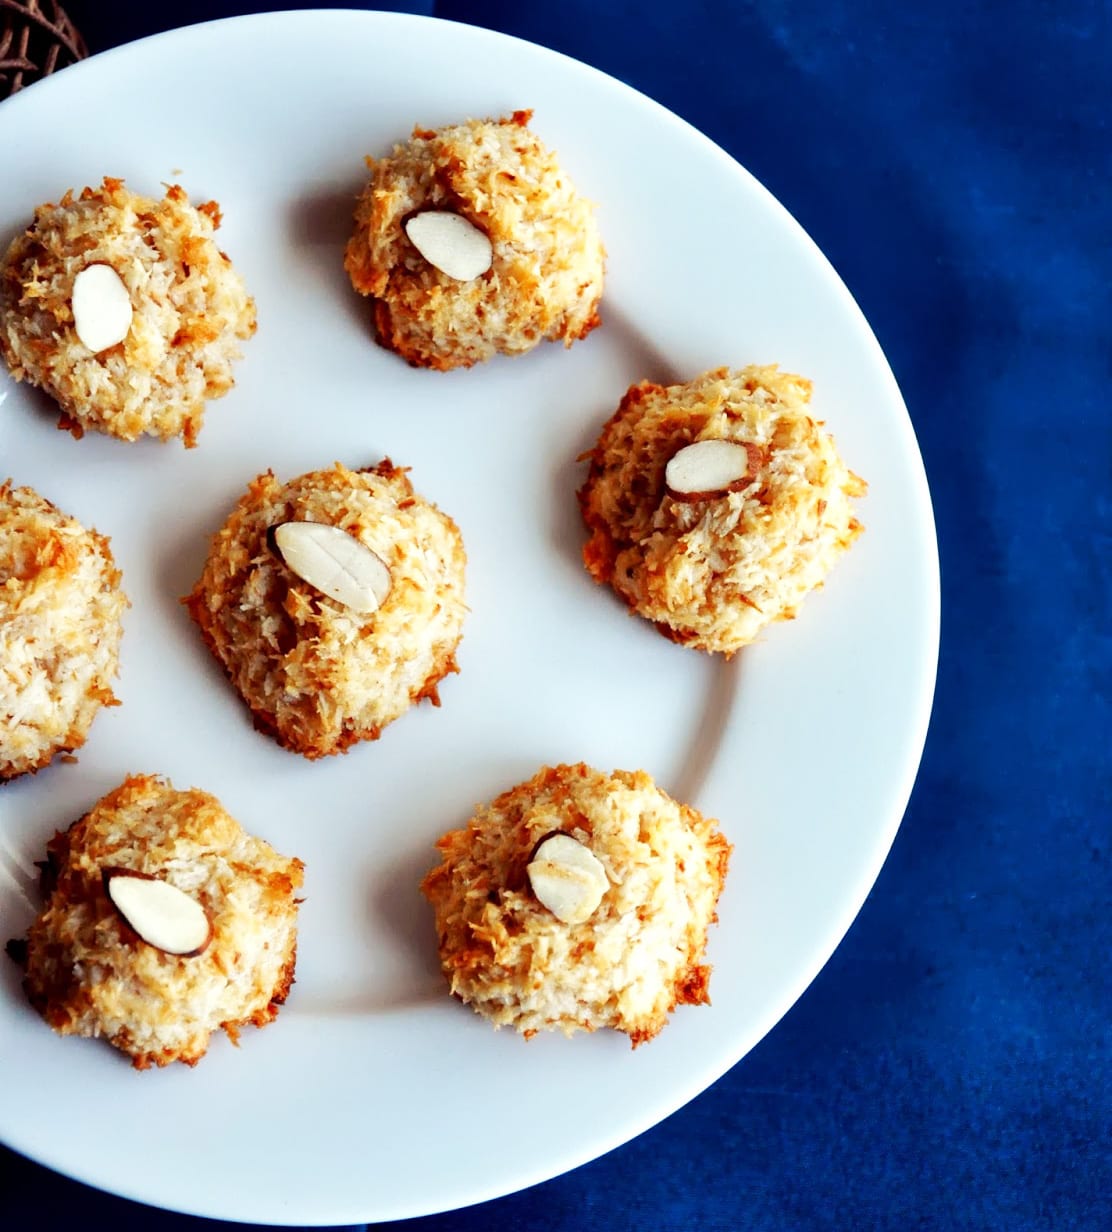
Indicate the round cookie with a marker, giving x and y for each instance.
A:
(90, 972)
(60, 625)
(316, 673)
(545, 273)
(625, 955)
(188, 309)
(712, 567)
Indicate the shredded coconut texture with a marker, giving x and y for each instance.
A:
(546, 278)
(639, 955)
(713, 572)
(189, 308)
(60, 612)
(315, 674)
(88, 973)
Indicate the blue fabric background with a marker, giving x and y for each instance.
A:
(950, 1066)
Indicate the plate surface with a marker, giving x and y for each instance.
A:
(358, 1103)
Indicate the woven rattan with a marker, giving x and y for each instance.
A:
(36, 38)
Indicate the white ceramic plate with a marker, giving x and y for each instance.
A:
(362, 1101)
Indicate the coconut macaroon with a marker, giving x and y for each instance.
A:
(124, 310)
(579, 900)
(164, 922)
(334, 602)
(60, 625)
(714, 507)
(472, 241)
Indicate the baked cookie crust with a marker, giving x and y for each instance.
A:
(89, 974)
(190, 310)
(641, 952)
(61, 605)
(546, 276)
(316, 675)
(712, 572)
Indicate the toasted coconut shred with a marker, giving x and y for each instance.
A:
(60, 626)
(712, 573)
(639, 955)
(315, 674)
(87, 973)
(546, 278)
(189, 305)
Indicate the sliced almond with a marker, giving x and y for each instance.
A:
(101, 307)
(567, 878)
(159, 912)
(707, 468)
(335, 563)
(447, 240)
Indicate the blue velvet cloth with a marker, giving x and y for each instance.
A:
(950, 1066)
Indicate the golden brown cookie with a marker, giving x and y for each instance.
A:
(85, 260)
(544, 260)
(714, 507)
(579, 900)
(317, 673)
(94, 968)
(60, 626)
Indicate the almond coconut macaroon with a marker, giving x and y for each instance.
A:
(716, 506)
(164, 922)
(472, 240)
(60, 626)
(333, 602)
(579, 900)
(124, 310)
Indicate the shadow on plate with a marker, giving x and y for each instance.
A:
(319, 225)
(394, 908)
(178, 558)
(642, 360)
(703, 748)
